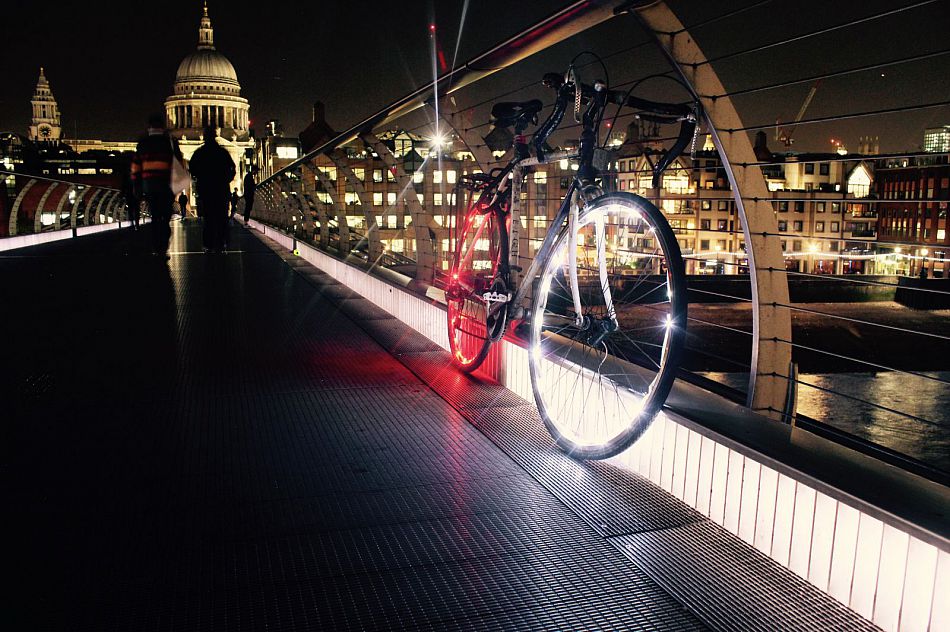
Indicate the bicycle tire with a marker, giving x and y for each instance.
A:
(470, 329)
(619, 379)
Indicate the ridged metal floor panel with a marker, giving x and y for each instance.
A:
(726, 581)
(217, 446)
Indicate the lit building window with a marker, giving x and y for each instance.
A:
(377, 199)
(437, 199)
(450, 176)
(391, 198)
(437, 177)
(418, 176)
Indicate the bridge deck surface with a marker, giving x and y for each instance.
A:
(237, 442)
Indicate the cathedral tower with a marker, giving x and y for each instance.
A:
(45, 125)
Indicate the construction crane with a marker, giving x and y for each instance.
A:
(785, 134)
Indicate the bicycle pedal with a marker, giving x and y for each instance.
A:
(496, 297)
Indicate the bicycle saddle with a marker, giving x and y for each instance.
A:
(507, 113)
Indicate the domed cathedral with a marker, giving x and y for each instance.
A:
(207, 92)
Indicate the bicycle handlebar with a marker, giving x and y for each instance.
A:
(597, 96)
(623, 99)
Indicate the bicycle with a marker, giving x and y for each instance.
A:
(604, 299)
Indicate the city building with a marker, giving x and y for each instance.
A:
(274, 151)
(46, 129)
(913, 194)
(47, 151)
(937, 139)
(434, 180)
(822, 203)
(207, 93)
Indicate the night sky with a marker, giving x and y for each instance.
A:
(111, 63)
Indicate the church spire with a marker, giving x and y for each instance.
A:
(205, 32)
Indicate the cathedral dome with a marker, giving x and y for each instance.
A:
(206, 64)
(207, 92)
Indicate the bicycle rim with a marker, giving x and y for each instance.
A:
(600, 376)
(470, 324)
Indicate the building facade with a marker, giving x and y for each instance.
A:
(822, 202)
(937, 139)
(274, 151)
(913, 203)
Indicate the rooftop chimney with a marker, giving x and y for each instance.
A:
(762, 151)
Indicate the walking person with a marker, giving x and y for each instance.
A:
(131, 202)
(183, 205)
(213, 170)
(234, 204)
(249, 187)
(151, 179)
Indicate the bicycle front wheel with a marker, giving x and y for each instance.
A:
(607, 326)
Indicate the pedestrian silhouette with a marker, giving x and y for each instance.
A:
(131, 201)
(151, 179)
(183, 204)
(249, 188)
(213, 170)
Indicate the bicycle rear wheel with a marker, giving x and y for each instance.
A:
(603, 355)
(473, 322)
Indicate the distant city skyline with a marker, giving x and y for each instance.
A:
(357, 60)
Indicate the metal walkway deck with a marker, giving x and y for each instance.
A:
(232, 442)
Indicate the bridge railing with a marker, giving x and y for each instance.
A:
(808, 300)
(796, 295)
(36, 208)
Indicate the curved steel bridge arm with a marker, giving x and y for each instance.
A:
(770, 323)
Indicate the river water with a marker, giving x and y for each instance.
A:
(917, 424)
